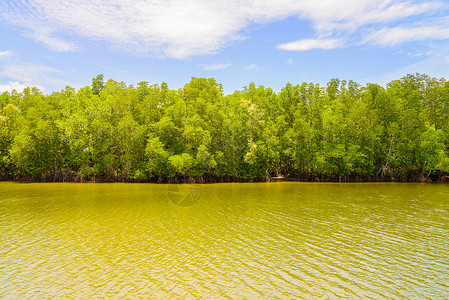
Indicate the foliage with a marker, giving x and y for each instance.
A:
(111, 130)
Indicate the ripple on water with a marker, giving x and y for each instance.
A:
(281, 240)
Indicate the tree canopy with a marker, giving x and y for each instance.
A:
(112, 131)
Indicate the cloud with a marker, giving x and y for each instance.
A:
(309, 44)
(346, 23)
(183, 28)
(419, 53)
(353, 14)
(13, 85)
(176, 28)
(251, 67)
(35, 75)
(27, 72)
(5, 53)
(53, 43)
(399, 35)
(214, 67)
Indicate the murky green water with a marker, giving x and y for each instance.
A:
(266, 240)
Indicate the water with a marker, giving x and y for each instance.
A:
(263, 240)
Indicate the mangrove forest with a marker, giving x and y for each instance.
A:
(343, 131)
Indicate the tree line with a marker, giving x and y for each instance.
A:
(342, 131)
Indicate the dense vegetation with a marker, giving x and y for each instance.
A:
(111, 131)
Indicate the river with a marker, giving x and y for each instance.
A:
(278, 240)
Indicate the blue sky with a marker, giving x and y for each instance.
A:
(51, 44)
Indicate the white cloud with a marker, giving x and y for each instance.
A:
(34, 75)
(53, 43)
(419, 53)
(330, 15)
(399, 35)
(182, 28)
(251, 67)
(5, 53)
(214, 67)
(27, 72)
(309, 44)
(13, 85)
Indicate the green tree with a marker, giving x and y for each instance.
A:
(97, 84)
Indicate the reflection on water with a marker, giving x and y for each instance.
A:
(264, 240)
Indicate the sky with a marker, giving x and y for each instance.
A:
(53, 44)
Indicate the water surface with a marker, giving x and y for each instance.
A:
(263, 240)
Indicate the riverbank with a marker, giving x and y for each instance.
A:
(227, 179)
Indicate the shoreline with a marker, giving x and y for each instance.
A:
(214, 179)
